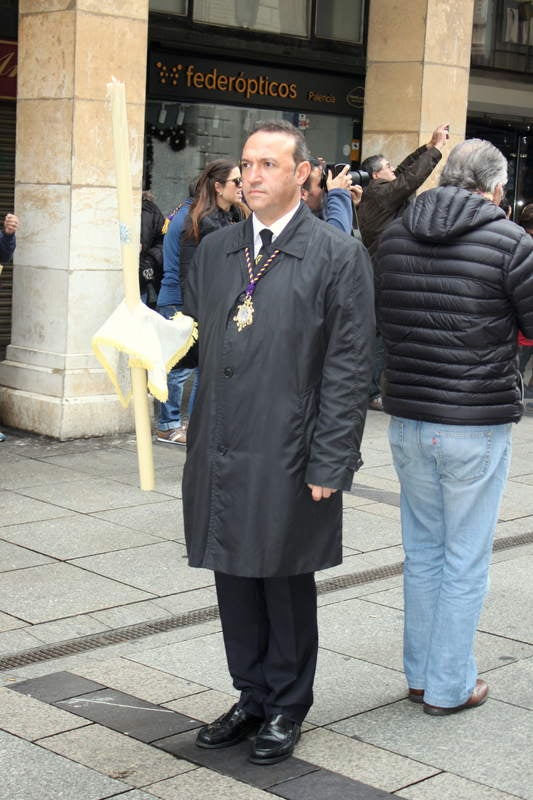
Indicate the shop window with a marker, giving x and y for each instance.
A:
(502, 35)
(341, 20)
(273, 16)
(198, 133)
(169, 6)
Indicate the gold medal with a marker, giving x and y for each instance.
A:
(245, 314)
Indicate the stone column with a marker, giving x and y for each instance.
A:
(67, 275)
(417, 75)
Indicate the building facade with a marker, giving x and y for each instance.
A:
(356, 77)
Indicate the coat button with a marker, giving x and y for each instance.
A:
(228, 372)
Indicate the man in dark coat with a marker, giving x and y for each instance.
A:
(455, 283)
(384, 199)
(285, 334)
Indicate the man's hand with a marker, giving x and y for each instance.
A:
(357, 193)
(11, 224)
(439, 137)
(340, 181)
(320, 492)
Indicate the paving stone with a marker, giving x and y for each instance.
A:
(17, 639)
(451, 787)
(17, 473)
(74, 536)
(360, 761)
(507, 610)
(366, 590)
(17, 509)
(126, 714)
(159, 568)
(64, 629)
(351, 628)
(130, 677)
(135, 794)
(192, 600)
(9, 623)
(116, 755)
(201, 784)
(324, 785)
(105, 462)
(51, 591)
(167, 480)
(513, 683)
(131, 614)
(490, 745)
(205, 706)
(31, 773)
(164, 519)
(92, 494)
(346, 686)
(517, 500)
(56, 686)
(366, 532)
(30, 719)
(13, 557)
(233, 761)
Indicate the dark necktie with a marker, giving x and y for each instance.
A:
(266, 238)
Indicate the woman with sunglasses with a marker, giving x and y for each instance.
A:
(217, 202)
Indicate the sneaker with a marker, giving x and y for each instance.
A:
(2, 437)
(173, 436)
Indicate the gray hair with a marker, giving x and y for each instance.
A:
(301, 151)
(475, 165)
(373, 164)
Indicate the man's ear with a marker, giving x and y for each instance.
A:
(302, 172)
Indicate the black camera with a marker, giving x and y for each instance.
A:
(358, 176)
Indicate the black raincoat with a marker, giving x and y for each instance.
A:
(281, 403)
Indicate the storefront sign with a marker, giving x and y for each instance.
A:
(181, 77)
(8, 70)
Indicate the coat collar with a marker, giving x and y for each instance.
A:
(293, 239)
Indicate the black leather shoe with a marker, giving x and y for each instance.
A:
(230, 728)
(275, 740)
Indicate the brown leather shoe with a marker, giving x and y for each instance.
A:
(477, 698)
(416, 695)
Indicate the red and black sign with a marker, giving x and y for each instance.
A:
(8, 70)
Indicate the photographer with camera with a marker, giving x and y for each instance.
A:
(330, 196)
(384, 199)
(390, 188)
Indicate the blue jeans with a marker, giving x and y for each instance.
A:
(170, 412)
(452, 479)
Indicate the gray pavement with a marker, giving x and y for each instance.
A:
(111, 653)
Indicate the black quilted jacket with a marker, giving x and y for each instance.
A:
(454, 282)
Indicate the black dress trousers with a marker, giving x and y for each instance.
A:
(271, 639)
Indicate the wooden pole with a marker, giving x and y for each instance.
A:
(130, 270)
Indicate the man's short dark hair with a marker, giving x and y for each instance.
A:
(373, 164)
(315, 164)
(301, 151)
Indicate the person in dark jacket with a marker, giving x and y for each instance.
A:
(334, 204)
(284, 304)
(7, 248)
(454, 285)
(151, 255)
(384, 199)
(8, 239)
(217, 202)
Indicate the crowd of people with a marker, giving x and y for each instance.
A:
(426, 315)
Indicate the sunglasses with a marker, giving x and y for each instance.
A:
(236, 181)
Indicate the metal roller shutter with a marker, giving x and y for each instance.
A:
(8, 112)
